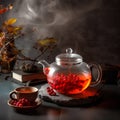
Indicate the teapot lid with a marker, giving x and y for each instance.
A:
(68, 57)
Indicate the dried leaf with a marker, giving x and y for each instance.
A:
(17, 28)
(10, 21)
(46, 42)
(1, 34)
(12, 29)
(2, 38)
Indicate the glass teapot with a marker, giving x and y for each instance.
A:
(69, 74)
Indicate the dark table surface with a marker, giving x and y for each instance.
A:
(107, 109)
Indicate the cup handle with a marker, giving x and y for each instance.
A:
(99, 74)
(12, 95)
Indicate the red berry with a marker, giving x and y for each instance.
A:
(20, 105)
(51, 91)
(21, 102)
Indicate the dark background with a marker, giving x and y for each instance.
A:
(90, 27)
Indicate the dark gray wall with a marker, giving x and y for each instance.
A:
(90, 27)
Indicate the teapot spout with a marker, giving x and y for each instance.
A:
(45, 65)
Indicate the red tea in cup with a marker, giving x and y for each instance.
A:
(28, 92)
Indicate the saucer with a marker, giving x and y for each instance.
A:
(25, 108)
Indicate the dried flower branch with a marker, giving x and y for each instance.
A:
(9, 32)
(5, 9)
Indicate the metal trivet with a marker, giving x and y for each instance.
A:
(88, 97)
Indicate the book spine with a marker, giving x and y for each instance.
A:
(28, 77)
(17, 76)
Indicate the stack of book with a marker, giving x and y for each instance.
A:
(24, 77)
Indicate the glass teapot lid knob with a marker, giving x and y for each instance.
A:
(68, 58)
(69, 50)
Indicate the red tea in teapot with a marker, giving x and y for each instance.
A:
(69, 74)
(69, 83)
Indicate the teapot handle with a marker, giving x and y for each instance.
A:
(98, 78)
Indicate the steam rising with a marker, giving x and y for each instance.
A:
(52, 15)
(51, 12)
(65, 20)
